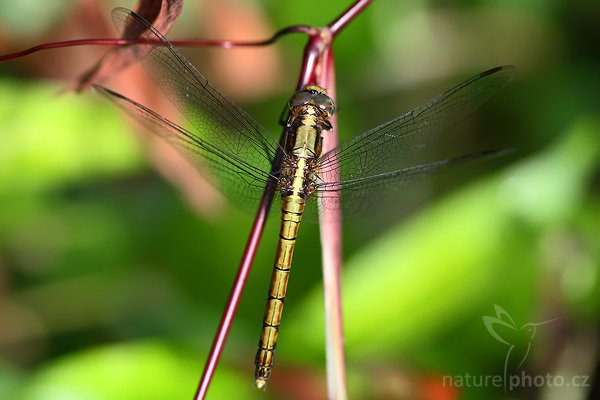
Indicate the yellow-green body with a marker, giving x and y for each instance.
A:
(297, 177)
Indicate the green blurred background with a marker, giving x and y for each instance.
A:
(113, 276)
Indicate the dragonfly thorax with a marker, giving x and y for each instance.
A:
(310, 110)
(298, 175)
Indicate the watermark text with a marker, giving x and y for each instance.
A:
(515, 381)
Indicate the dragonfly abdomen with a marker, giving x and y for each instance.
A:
(291, 215)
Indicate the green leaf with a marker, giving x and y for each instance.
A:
(144, 370)
(50, 140)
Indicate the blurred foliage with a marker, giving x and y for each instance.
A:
(111, 286)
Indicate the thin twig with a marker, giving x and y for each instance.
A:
(224, 44)
(236, 293)
(331, 255)
(318, 67)
(347, 16)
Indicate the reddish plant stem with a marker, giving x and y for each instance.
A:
(236, 293)
(318, 68)
(331, 255)
(310, 60)
(225, 44)
(66, 43)
(347, 16)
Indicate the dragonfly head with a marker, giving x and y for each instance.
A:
(315, 96)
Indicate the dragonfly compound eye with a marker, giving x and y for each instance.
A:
(300, 98)
(325, 104)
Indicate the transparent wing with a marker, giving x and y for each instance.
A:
(236, 149)
(368, 165)
(361, 193)
(243, 183)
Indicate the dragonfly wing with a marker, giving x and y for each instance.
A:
(380, 149)
(215, 119)
(239, 181)
(371, 162)
(360, 193)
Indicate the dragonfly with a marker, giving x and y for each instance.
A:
(241, 158)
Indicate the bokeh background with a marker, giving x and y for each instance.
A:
(116, 258)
